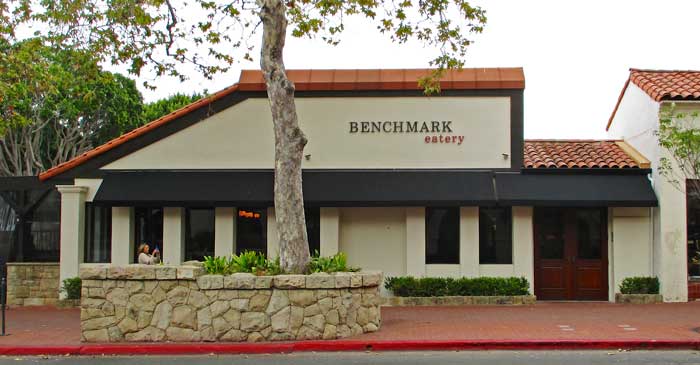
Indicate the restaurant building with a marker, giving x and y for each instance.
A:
(441, 185)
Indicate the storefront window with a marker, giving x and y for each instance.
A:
(251, 230)
(442, 236)
(42, 225)
(199, 232)
(149, 229)
(495, 237)
(693, 222)
(98, 233)
(313, 228)
(8, 218)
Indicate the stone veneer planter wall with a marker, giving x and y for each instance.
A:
(638, 298)
(182, 304)
(32, 283)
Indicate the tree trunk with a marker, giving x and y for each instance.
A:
(289, 141)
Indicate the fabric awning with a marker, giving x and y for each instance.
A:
(321, 188)
(572, 190)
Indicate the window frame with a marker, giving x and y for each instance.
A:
(188, 231)
(89, 244)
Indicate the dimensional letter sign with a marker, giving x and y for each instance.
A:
(434, 131)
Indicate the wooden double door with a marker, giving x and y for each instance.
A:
(571, 253)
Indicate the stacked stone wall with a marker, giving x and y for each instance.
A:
(138, 303)
(30, 284)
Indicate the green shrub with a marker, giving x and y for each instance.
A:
(408, 286)
(640, 285)
(71, 287)
(329, 264)
(248, 261)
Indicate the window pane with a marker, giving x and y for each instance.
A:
(8, 218)
(199, 234)
(589, 233)
(313, 228)
(442, 236)
(98, 233)
(149, 229)
(251, 230)
(495, 238)
(550, 235)
(693, 222)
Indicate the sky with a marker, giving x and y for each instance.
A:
(576, 55)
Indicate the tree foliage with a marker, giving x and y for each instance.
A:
(165, 35)
(159, 108)
(679, 135)
(56, 104)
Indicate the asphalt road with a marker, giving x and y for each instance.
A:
(390, 358)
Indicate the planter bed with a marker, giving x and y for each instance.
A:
(638, 298)
(457, 300)
(141, 303)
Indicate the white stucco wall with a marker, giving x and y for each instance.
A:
(241, 136)
(636, 122)
(630, 246)
(92, 186)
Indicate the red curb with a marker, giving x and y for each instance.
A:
(336, 346)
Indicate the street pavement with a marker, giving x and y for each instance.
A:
(389, 358)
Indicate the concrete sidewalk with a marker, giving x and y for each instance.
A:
(544, 325)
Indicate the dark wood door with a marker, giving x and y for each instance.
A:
(571, 260)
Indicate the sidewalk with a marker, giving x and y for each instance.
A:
(544, 325)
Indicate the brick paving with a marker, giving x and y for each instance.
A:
(47, 326)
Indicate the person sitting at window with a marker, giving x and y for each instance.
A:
(146, 258)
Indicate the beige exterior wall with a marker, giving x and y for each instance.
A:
(224, 231)
(330, 231)
(374, 238)
(630, 248)
(241, 136)
(92, 186)
(123, 232)
(173, 235)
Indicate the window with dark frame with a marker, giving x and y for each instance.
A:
(251, 230)
(98, 233)
(149, 229)
(199, 233)
(442, 235)
(495, 235)
(313, 229)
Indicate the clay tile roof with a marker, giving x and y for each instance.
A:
(667, 85)
(322, 80)
(576, 154)
(662, 85)
(390, 79)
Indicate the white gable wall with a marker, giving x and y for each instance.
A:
(636, 122)
(241, 137)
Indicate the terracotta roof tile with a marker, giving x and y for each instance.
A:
(662, 85)
(667, 85)
(573, 154)
(322, 80)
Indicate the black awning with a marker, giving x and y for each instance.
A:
(321, 188)
(614, 190)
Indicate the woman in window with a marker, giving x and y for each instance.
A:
(146, 258)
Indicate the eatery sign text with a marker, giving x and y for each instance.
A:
(434, 131)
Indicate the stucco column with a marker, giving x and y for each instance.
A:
(469, 241)
(415, 241)
(273, 248)
(330, 229)
(670, 251)
(173, 235)
(224, 231)
(523, 245)
(123, 235)
(72, 230)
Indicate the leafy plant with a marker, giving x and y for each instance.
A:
(329, 264)
(71, 287)
(640, 285)
(408, 286)
(217, 265)
(248, 261)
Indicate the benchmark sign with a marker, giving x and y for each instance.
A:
(434, 131)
